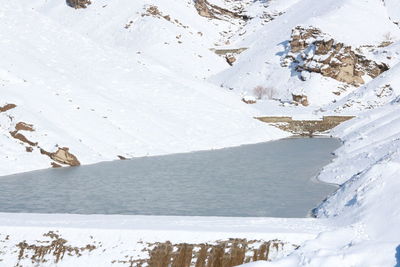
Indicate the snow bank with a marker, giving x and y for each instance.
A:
(366, 206)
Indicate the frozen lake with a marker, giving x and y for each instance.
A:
(273, 179)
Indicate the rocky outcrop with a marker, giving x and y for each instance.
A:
(63, 156)
(208, 10)
(313, 51)
(22, 126)
(16, 135)
(78, 3)
(7, 107)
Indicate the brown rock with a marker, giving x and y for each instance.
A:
(22, 126)
(304, 102)
(208, 10)
(63, 156)
(22, 138)
(331, 59)
(55, 165)
(230, 59)
(299, 37)
(7, 107)
(203, 9)
(78, 3)
(44, 152)
(302, 99)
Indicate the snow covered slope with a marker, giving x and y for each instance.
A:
(83, 79)
(365, 26)
(120, 79)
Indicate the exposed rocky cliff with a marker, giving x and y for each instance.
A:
(311, 50)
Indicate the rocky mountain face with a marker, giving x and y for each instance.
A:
(313, 51)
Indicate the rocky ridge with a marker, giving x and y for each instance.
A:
(312, 51)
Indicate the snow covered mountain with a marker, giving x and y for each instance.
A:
(118, 79)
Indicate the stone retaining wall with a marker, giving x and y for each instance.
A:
(305, 127)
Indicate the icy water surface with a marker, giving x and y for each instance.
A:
(272, 179)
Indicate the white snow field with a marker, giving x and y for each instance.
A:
(117, 80)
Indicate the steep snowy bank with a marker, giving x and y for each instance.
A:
(366, 206)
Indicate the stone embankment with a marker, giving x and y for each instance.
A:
(305, 127)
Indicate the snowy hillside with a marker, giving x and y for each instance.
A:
(271, 60)
(85, 80)
(121, 79)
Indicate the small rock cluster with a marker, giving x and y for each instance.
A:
(312, 51)
(78, 3)
(153, 11)
(300, 99)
